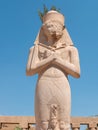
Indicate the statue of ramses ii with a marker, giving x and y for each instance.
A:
(53, 57)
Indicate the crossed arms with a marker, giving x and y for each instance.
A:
(35, 65)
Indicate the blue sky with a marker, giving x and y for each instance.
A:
(19, 25)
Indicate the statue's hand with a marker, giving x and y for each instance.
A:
(55, 55)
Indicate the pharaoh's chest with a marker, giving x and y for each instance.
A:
(44, 52)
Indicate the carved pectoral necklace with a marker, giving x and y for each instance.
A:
(45, 50)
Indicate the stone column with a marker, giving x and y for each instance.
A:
(31, 127)
(0, 125)
(92, 126)
(75, 126)
(24, 125)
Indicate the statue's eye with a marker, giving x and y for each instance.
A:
(47, 26)
(50, 25)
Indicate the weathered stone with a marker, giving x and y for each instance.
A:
(10, 122)
(53, 57)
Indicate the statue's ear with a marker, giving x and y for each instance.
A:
(41, 38)
(66, 37)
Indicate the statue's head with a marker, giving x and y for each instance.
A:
(53, 28)
(62, 125)
(53, 122)
(53, 24)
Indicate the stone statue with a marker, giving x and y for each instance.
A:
(53, 58)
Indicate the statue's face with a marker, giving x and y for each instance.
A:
(44, 125)
(53, 29)
(62, 125)
(53, 123)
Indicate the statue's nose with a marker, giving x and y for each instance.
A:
(54, 31)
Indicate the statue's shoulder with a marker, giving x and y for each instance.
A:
(32, 48)
(71, 48)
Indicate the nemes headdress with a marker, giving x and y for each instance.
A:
(58, 17)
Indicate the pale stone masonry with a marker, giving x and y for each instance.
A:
(28, 122)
